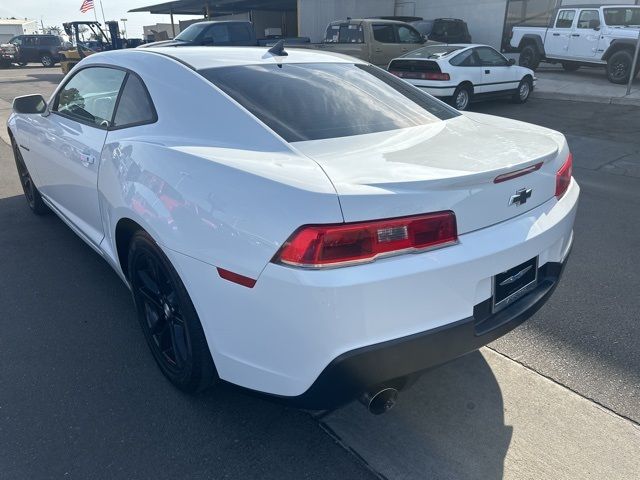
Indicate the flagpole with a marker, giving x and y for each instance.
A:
(102, 9)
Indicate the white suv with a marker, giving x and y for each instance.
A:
(583, 35)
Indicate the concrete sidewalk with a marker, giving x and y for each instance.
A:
(589, 84)
(486, 416)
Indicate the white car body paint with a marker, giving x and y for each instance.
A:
(215, 187)
(486, 79)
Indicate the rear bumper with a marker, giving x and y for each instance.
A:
(305, 335)
(384, 364)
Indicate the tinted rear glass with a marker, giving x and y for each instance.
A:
(436, 51)
(327, 100)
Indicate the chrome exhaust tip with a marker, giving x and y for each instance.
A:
(380, 401)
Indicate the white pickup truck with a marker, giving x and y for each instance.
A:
(583, 35)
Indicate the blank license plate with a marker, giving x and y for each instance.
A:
(514, 283)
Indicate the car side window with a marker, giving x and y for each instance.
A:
(16, 41)
(216, 34)
(586, 16)
(408, 35)
(565, 18)
(468, 58)
(90, 96)
(490, 58)
(29, 41)
(383, 33)
(135, 106)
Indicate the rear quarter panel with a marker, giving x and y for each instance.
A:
(207, 180)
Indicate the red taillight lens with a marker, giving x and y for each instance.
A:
(436, 76)
(319, 246)
(563, 177)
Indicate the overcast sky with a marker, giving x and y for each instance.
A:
(54, 12)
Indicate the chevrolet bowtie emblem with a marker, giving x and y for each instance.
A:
(521, 196)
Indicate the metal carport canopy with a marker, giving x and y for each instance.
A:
(216, 7)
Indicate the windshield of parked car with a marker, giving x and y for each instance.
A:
(326, 100)
(190, 33)
(435, 51)
(622, 17)
(423, 26)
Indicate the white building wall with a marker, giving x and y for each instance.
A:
(315, 15)
(11, 28)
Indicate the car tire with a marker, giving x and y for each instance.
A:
(461, 98)
(523, 92)
(570, 66)
(47, 61)
(529, 57)
(168, 318)
(31, 193)
(619, 67)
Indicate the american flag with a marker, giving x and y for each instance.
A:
(86, 6)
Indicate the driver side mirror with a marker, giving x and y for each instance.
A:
(511, 62)
(29, 104)
(424, 39)
(594, 24)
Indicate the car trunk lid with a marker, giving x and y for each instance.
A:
(449, 165)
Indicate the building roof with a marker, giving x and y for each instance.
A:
(15, 21)
(216, 7)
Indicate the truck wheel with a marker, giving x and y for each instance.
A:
(529, 57)
(462, 97)
(47, 60)
(619, 67)
(570, 66)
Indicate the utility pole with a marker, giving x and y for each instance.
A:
(633, 64)
(102, 10)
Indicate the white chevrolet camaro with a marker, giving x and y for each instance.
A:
(464, 73)
(304, 225)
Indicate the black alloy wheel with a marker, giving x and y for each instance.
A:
(168, 319)
(31, 193)
(47, 61)
(619, 67)
(529, 57)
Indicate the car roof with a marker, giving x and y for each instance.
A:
(212, 57)
(462, 47)
(367, 20)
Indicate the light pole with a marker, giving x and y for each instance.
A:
(124, 26)
(633, 64)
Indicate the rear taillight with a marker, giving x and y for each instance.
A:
(563, 177)
(421, 75)
(317, 246)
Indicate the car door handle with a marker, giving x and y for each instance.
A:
(378, 50)
(87, 159)
(556, 34)
(487, 71)
(575, 34)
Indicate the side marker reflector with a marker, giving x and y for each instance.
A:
(236, 278)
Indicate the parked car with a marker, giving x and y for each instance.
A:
(376, 41)
(463, 73)
(8, 55)
(308, 226)
(37, 48)
(446, 30)
(224, 33)
(583, 35)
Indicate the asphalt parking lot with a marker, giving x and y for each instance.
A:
(81, 397)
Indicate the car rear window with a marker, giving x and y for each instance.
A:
(327, 100)
(435, 51)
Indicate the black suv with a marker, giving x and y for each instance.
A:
(37, 48)
(446, 30)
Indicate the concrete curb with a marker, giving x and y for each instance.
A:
(572, 97)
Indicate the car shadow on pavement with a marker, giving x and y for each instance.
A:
(80, 394)
(449, 425)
